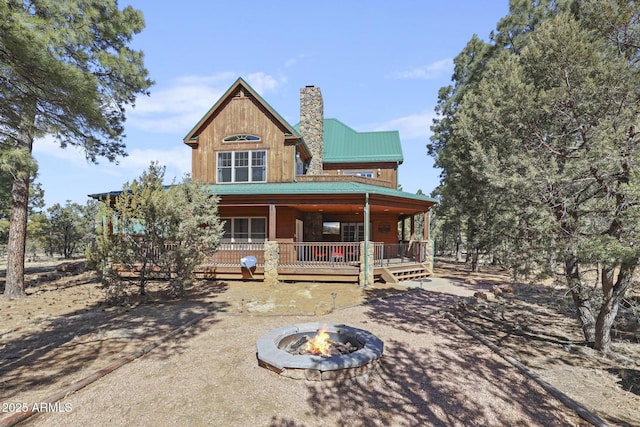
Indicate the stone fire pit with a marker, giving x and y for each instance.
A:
(276, 351)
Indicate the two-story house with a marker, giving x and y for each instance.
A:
(307, 195)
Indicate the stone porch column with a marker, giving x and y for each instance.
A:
(365, 277)
(271, 262)
(428, 254)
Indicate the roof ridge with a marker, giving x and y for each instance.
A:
(239, 82)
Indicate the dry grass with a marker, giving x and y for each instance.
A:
(433, 373)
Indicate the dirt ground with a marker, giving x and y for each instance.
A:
(432, 371)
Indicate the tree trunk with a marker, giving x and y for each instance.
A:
(14, 285)
(459, 247)
(475, 265)
(581, 299)
(612, 295)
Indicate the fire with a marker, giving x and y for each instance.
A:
(319, 344)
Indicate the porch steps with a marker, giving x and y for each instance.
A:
(399, 273)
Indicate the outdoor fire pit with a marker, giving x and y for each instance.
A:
(318, 352)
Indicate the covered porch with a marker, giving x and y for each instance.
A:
(320, 229)
(322, 262)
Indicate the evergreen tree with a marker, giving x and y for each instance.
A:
(156, 231)
(66, 70)
(549, 130)
(68, 229)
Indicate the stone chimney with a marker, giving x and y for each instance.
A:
(311, 126)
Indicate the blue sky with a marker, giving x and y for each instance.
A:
(378, 63)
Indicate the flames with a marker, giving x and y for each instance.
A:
(320, 344)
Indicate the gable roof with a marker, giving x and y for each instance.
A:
(192, 136)
(343, 144)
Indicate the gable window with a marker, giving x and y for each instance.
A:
(245, 230)
(242, 138)
(242, 166)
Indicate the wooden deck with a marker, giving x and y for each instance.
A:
(314, 262)
(286, 274)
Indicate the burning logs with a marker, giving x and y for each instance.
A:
(347, 353)
(320, 345)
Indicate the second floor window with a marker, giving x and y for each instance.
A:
(366, 174)
(242, 166)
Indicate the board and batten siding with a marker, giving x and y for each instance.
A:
(242, 114)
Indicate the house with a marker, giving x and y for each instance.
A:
(302, 198)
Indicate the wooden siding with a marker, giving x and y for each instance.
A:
(243, 211)
(242, 114)
(285, 223)
(385, 229)
(388, 172)
(285, 218)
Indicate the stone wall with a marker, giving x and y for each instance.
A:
(312, 126)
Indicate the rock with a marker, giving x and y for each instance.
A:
(506, 289)
(484, 296)
(48, 277)
(71, 267)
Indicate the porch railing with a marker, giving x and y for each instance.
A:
(319, 254)
(404, 252)
(229, 254)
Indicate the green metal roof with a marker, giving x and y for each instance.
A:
(343, 144)
(298, 188)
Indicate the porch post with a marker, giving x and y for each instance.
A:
(430, 244)
(412, 227)
(272, 222)
(366, 250)
(426, 229)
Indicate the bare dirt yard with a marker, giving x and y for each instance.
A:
(191, 361)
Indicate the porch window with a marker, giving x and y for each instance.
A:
(242, 166)
(353, 231)
(245, 229)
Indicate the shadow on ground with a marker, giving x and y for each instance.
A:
(75, 345)
(415, 384)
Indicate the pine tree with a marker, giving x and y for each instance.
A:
(67, 71)
(546, 137)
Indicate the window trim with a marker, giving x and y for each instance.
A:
(242, 137)
(364, 174)
(359, 230)
(232, 238)
(250, 166)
